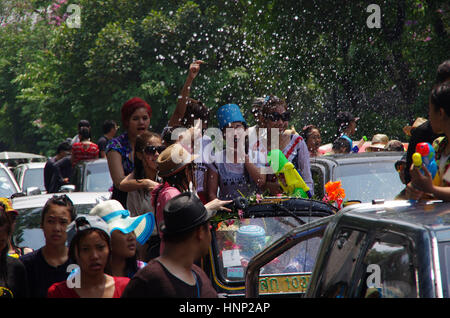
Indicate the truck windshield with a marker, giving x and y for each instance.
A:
(237, 243)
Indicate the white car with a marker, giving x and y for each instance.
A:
(8, 184)
(30, 176)
(28, 232)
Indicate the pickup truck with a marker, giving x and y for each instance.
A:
(393, 249)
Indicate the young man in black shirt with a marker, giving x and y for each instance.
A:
(109, 131)
(48, 265)
(187, 237)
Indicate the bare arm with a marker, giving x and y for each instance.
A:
(212, 184)
(424, 183)
(178, 114)
(254, 173)
(129, 183)
(118, 175)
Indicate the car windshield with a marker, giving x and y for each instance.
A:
(34, 178)
(28, 232)
(369, 180)
(237, 243)
(98, 178)
(6, 186)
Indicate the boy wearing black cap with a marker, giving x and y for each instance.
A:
(187, 238)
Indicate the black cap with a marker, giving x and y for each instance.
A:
(183, 213)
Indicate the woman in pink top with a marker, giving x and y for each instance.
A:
(90, 247)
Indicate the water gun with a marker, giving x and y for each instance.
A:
(425, 154)
(294, 184)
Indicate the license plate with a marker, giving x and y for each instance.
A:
(291, 283)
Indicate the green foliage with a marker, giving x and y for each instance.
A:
(319, 55)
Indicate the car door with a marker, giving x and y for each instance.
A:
(301, 245)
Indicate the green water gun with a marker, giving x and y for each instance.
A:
(294, 184)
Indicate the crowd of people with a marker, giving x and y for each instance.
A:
(145, 241)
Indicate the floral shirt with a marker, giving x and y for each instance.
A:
(122, 145)
(439, 145)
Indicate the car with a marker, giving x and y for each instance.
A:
(8, 184)
(235, 242)
(28, 232)
(14, 158)
(30, 176)
(385, 249)
(364, 176)
(91, 176)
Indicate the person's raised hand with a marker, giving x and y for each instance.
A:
(194, 69)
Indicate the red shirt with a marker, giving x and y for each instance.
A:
(60, 290)
(82, 151)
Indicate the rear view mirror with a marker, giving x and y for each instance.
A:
(33, 191)
(67, 188)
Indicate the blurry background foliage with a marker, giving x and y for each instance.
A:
(318, 55)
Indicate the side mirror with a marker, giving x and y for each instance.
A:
(33, 191)
(67, 188)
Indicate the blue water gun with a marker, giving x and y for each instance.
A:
(425, 154)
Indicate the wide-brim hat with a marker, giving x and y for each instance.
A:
(173, 159)
(8, 206)
(85, 222)
(379, 141)
(183, 213)
(117, 218)
(419, 121)
(228, 114)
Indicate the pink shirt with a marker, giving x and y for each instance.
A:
(167, 193)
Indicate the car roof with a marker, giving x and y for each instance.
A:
(434, 215)
(77, 198)
(19, 155)
(32, 165)
(362, 157)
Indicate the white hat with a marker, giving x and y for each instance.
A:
(117, 218)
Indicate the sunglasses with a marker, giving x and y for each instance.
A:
(151, 150)
(286, 116)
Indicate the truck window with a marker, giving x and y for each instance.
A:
(318, 178)
(388, 269)
(444, 260)
(336, 278)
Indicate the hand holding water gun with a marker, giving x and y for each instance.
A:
(293, 183)
(425, 154)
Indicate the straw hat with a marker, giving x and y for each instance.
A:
(419, 121)
(379, 141)
(173, 159)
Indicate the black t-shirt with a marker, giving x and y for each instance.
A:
(41, 275)
(16, 281)
(155, 281)
(49, 170)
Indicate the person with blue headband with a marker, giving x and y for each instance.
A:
(231, 170)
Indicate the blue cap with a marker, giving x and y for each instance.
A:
(228, 114)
